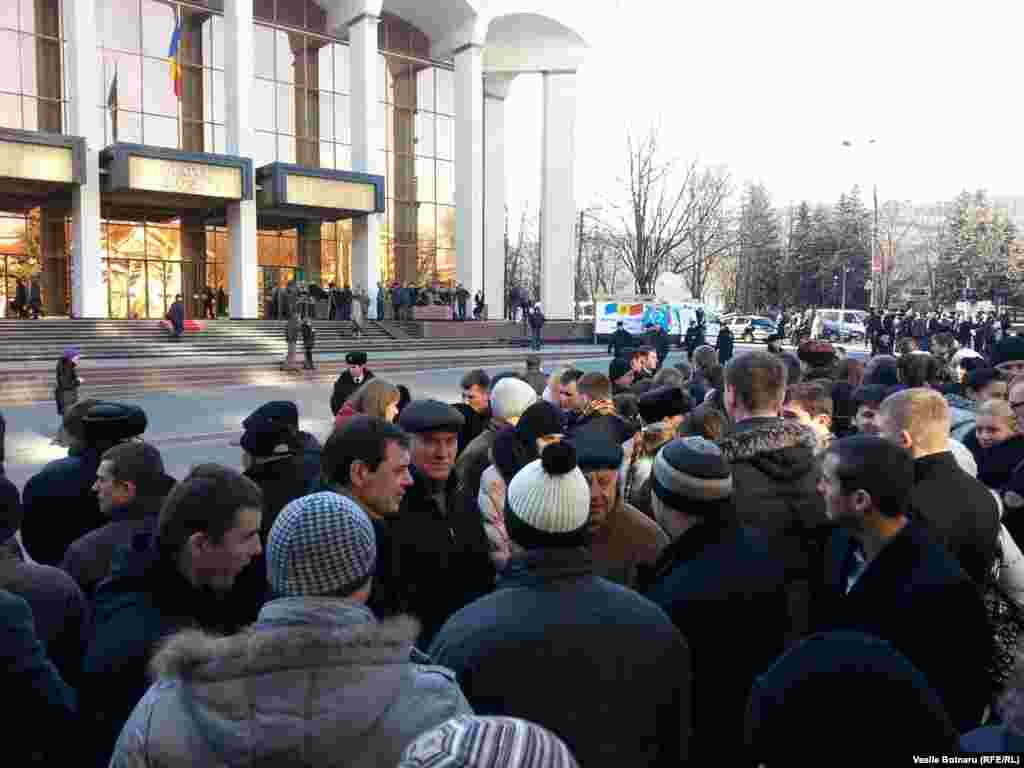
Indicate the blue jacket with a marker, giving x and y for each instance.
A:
(43, 706)
(726, 594)
(594, 662)
(60, 506)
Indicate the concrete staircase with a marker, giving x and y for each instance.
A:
(45, 340)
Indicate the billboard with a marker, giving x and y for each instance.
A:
(674, 317)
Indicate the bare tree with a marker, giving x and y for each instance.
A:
(711, 233)
(653, 225)
(897, 226)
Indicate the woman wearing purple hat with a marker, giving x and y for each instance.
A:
(66, 391)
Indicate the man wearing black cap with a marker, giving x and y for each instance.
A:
(621, 376)
(131, 485)
(60, 505)
(286, 413)
(350, 380)
(441, 543)
(710, 564)
(272, 458)
(597, 411)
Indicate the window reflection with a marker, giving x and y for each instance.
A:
(31, 66)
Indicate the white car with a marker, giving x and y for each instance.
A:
(750, 328)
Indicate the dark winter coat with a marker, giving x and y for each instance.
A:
(726, 594)
(992, 739)
(441, 556)
(996, 464)
(176, 314)
(660, 341)
(537, 320)
(775, 489)
(308, 336)
(146, 599)
(345, 387)
(620, 343)
(724, 345)
(474, 461)
(88, 559)
(60, 610)
(60, 506)
(611, 427)
(311, 453)
(35, 294)
(596, 663)
(67, 376)
(43, 726)
(916, 597)
(958, 511)
(313, 671)
(20, 295)
(282, 481)
(475, 424)
(537, 380)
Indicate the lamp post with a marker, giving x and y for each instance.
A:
(875, 277)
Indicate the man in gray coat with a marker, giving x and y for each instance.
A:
(317, 676)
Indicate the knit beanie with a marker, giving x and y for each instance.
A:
(617, 368)
(549, 501)
(511, 397)
(689, 471)
(321, 544)
(1008, 350)
(541, 418)
(487, 742)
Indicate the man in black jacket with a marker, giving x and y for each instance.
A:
(885, 577)
(440, 543)
(621, 341)
(957, 510)
(351, 380)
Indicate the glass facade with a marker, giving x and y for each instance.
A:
(34, 247)
(33, 94)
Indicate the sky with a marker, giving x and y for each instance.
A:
(771, 89)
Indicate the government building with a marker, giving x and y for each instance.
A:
(150, 148)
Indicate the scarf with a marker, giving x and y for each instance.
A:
(599, 408)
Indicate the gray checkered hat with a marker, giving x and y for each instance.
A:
(320, 545)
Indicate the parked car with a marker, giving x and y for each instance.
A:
(850, 329)
(750, 328)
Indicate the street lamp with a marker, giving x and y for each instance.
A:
(875, 293)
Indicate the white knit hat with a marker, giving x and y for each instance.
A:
(550, 494)
(511, 397)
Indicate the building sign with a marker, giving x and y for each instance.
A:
(318, 192)
(184, 178)
(36, 162)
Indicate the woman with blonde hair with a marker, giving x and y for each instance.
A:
(375, 397)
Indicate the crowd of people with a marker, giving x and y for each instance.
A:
(721, 562)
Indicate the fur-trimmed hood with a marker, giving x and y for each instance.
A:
(783, 450)
(315, 681)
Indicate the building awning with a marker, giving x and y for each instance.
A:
(39, 168)
(150, 179)
(296, 193)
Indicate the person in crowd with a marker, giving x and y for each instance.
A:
(292, 333)
(620, 342)
(794, 368)
(62, 616)
(509, 400)
(955, 509)
(59, 503)
(818, 360)
(618, 696)
(358, 304)
(461, 300)
(176, 317)
(640, 363)
(380, 301)
(705, 421)
(487, 742)
(703, 358)
(207, 533)
(807, 698)
(314, 650)
(658, 339)
(376, 397)
(662, 411)
(627, 406)
(716, 386)
(286, 413)
(20, 298)
(774, 472)
(475, 406)
(724, 344)
(686, 371)
(984, 384)
(66, 391)
(222, 302)
(669, 377)
(536, 320)
(368, 460)
(710, 564)
(692, 339)
(308, 342)
(596, 411)
(539, 426)
(44, 728)
(997, 445)
(1006, 735)
(350, 379)
(867, 400)
(882, 370)
(885, 575)
(131, 485)
(568, 396)
(811, 405)
(345, 299)
(1008, 355)
(622, 540)
(441, 544)
(620, 375)
(534, 376)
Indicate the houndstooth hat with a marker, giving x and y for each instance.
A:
(321, 544)
(487, 742)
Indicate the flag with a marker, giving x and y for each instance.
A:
(172, 54)
(636, 310)
(112, 104)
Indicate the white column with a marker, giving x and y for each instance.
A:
(558, 202)
(238, 53)
(88, 297)
(367, 133)
(495, 91)
(469, 167)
